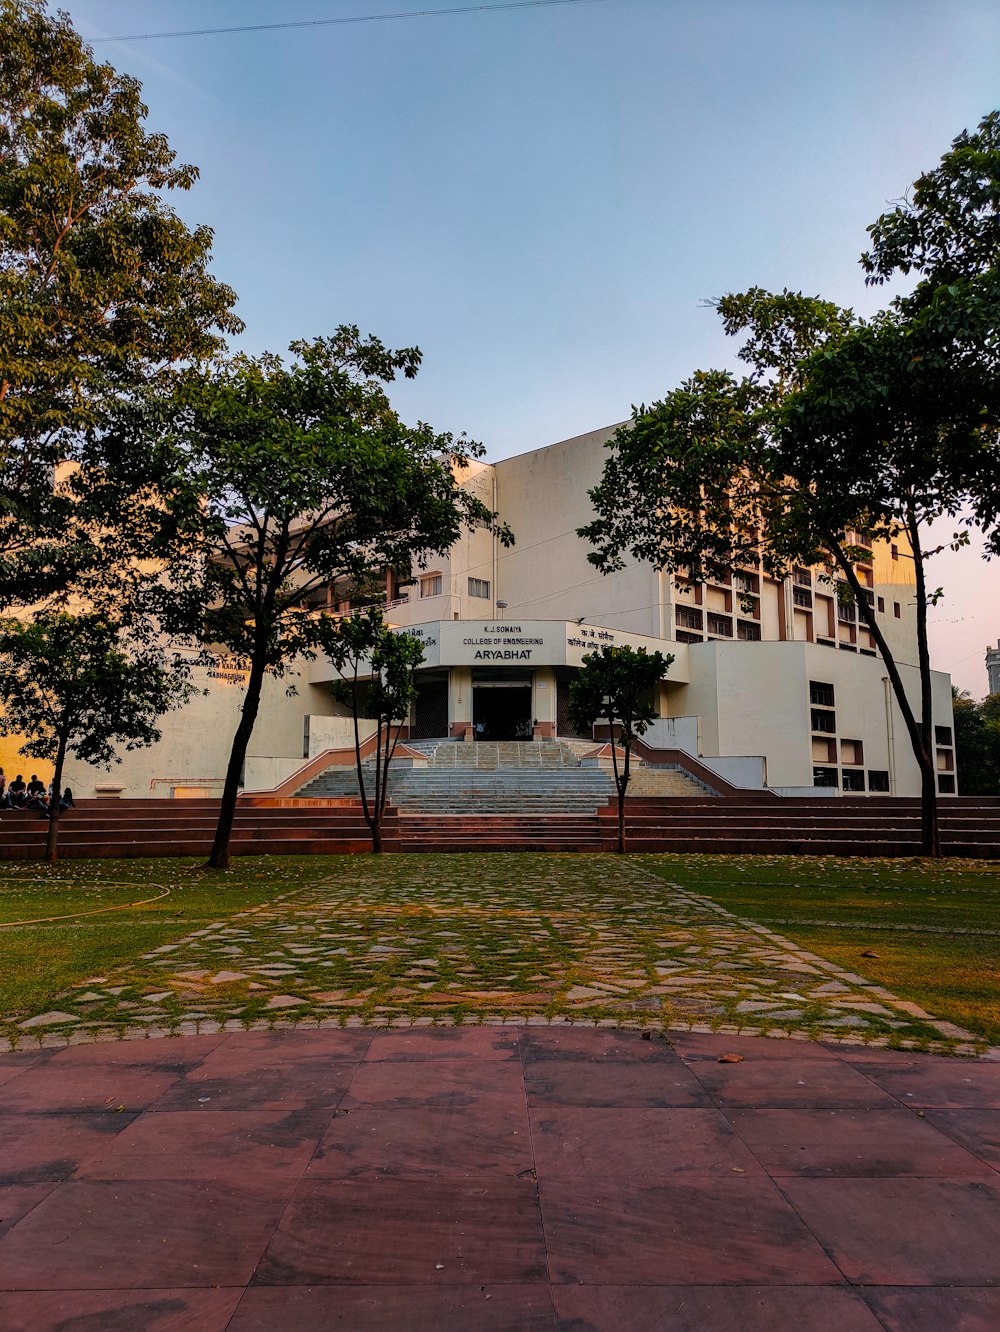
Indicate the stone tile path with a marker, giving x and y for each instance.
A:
(596, 939)
(498, 1179)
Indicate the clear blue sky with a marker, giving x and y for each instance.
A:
(543, 198)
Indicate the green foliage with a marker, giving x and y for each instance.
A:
(616, 683)
(102, 288)
(77, 681)
(977, 743)
(362, 646)
(307, 479)
(843, 427)
(80, 685)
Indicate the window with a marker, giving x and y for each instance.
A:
(895, 609)
(682, 636)
(801, 596)
(846, 610)
(823, 721)
(853, 781)
(946, 785)
(746, 583)
(721, 625)
(878, 781)
(942, 734)
(820, 694)
(688, 617)
(852, 752)
(894, 552)
(881, 603)
(431, 586)
(802, 578)
(824, 776)
(479, 587)
(748, 631)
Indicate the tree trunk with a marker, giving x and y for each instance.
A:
(219, 855)
(621, 785)
(914, 730)
(52, 840)
(930, 838)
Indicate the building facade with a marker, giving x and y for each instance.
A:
(993, 667)
(772, 683)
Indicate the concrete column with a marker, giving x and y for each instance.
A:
(459, 700)
(543, 702)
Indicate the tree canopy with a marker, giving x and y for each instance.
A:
(617, 683)
(103, 288)
(308, 480)
(843, 428)
(377, 666)
(80, 685)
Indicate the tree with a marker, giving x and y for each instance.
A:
(615, 683)
(308, 479)
(977, 743)
(77, 685)
(102, 287)
(844, 428)
(378, 666)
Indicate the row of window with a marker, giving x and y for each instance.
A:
(849, 780)
(431, 586)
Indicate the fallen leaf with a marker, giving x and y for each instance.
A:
(868, 953)
(730, 1059)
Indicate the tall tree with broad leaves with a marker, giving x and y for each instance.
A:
(307, 479)
(843, 428)
(80, 685)
(977, 743)
(377, 665)
(102, 289)
(616, 683)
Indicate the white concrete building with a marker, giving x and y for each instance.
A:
(789, 693)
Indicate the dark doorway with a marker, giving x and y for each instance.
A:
(430, 710)
(564, 678)
(501, 710)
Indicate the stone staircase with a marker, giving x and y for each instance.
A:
(664, 782)
(499, 777)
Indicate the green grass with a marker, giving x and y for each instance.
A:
(442, 937)
(38, 962)
(935, 926)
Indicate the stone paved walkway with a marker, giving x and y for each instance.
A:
(554, 938)
(497, 1180)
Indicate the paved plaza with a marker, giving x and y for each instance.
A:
(597, 939)
(497, 1179)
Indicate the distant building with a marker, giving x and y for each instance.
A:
(993, 667)
(775, 683)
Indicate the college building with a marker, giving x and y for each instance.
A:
(774, 684)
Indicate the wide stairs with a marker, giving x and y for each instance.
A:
(500, 778)
(522, 797)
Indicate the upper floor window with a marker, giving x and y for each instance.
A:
(430, 586)
(479, 587)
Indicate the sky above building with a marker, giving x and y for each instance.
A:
(545, 197)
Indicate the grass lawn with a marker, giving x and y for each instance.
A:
(452, 937)
(38, 962)
(935, 927)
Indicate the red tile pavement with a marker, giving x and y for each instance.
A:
(496, 1178)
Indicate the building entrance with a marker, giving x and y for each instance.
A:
(501, 709)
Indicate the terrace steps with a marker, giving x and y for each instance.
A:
(850, 827)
